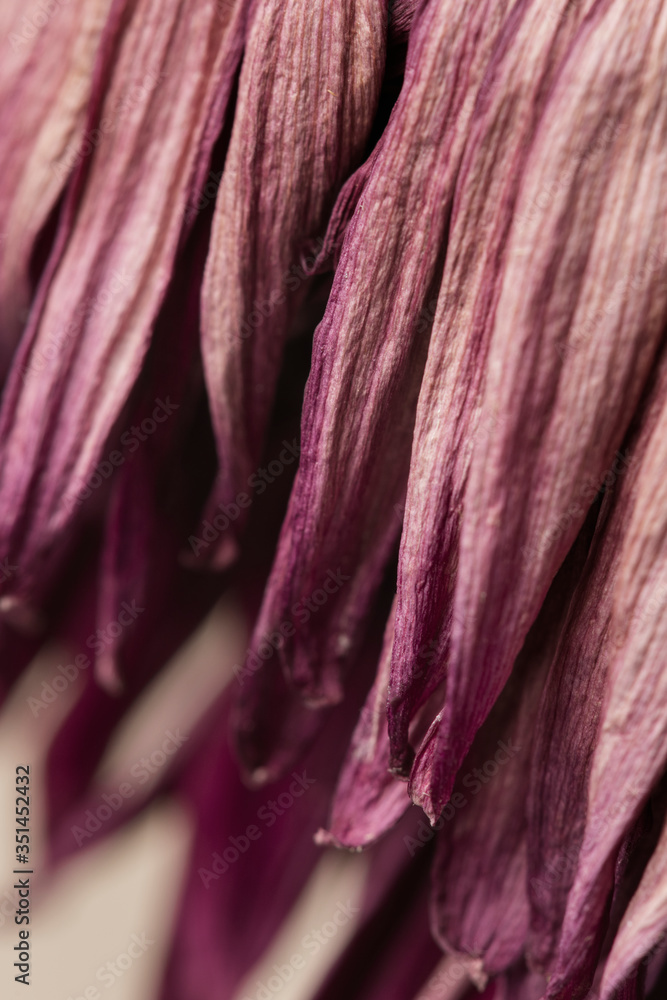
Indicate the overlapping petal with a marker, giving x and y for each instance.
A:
(84, 348)
(308, 93)
(631, 749)
(450, 423)
(480, 904)
(45, 84)
(370, 350)
(368, 799)
(573, 342)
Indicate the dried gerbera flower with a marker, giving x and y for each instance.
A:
(430, 235)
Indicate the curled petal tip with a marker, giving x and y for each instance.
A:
(259, 777)
(225, 553)
(21, 615)
(107, 674)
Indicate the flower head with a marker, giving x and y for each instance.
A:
(354, 313)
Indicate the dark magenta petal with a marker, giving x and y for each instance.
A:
(221, 931)
(393, 951)
(157, 634)
(450, 423)
(479, 900)
(566, 734)
(308, 93)
(368, 799)
(84, 348)
(368, 355)
(629, 751)
(153, 496)
(45, 85)
(530, 484)
(641, 932)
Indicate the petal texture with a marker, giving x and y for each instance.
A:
(308, 94)
(592, 261)
(81, 355)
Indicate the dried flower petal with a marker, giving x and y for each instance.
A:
(592, 261)
(79, 359)
(307, 96)
(45, 84)
(631, 749)
(369, 351)
(450, 423)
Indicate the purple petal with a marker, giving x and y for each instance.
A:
(45, 85)
(449, 425)
(368, 800)
(81, 355)
(529, 484)
(298, 132)
(480, 900)
(345, 511)
(393, 950)
(643, 926)
(630, 750)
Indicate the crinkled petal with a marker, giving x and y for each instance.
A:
(479, 899)
(594, 296)
(369, 351)
(631, 750)
(449, 425)
(567, 730)
(45, 84)
(80, 357)
(368, 799)
(307, 97)
(643, 926)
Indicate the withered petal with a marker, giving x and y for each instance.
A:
(308, 92)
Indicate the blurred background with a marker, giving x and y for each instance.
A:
(123, 891)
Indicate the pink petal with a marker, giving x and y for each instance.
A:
(45, 85)
(345, 509)
(527, 491)
(298, 132)
(80, 357)
(449, 425)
